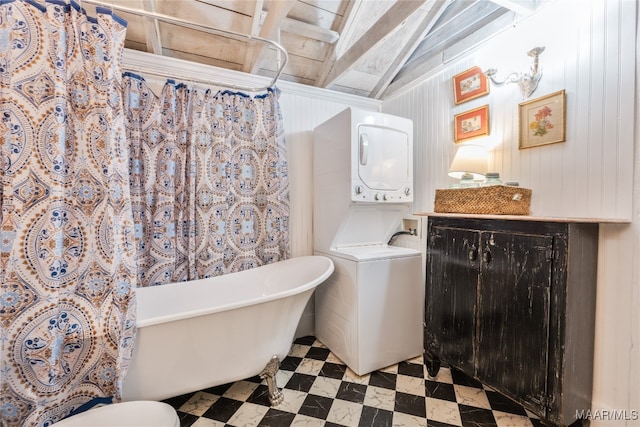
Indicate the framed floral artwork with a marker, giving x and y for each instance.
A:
(471, 124)
(469, 84)
(542, 120)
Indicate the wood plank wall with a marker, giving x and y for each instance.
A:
(591, 52)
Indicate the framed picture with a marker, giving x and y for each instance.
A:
(542, 120)
(471, 124)
(469, 84)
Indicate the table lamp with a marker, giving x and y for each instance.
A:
(469, 164)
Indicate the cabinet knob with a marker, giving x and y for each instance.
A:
(473, 253)
(486, 256)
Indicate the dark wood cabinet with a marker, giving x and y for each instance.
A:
(512, 303)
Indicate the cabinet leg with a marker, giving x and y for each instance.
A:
(433, 365)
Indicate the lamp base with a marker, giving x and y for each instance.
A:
(467, 181)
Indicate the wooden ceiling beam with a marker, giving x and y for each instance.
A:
(250, 52)
(521, 7)
(278, 10)
(151, 28)
(427, 65)
(256, 18)
(310, 31)
(386, 25)
(429, 19)
(461, 23)
(348, 18)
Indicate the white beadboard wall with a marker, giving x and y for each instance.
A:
(617, 355)
(592, 52)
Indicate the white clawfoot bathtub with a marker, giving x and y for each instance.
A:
(203, 333)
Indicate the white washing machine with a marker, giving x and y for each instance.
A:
(370, 311)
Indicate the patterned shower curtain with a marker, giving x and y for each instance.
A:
(67, 251)
(209, 181)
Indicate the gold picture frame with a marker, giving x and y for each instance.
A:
(471, 124)
(542, 120)
(469, 84)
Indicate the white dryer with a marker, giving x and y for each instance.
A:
(370, 312)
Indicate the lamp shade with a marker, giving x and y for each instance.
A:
(469, 159)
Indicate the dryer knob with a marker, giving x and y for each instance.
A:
(385, 197)
(377, 197)
(407, 190)
(358, 189)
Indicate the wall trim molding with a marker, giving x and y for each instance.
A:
(183, 70)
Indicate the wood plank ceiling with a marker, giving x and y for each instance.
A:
(365, 47)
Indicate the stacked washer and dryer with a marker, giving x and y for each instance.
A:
(369, 313)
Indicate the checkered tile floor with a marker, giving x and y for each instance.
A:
(320, 390)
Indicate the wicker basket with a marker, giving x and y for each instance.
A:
(495, 200)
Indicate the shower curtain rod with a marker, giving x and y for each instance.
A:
(206, 29)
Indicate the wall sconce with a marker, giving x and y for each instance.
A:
(469, 164)
(528, 82)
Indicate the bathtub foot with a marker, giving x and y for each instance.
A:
(269, 373)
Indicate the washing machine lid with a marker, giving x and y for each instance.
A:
(373, 252)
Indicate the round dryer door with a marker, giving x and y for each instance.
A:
(383, 158)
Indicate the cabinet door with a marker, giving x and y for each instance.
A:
(513, 314)
(452, 280)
